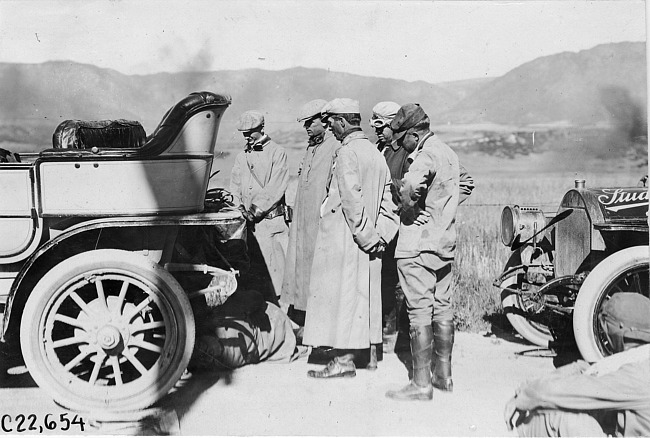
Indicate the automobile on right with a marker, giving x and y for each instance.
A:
(565, 266)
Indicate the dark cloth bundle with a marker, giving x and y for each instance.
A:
(8, 157)
(111, 134)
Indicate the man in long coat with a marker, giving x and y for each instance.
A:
(357, 220)
(258, 182)
(313, 174)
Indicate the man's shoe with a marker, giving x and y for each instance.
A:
(322, 355)
(412, 392)
(445, 384)
(338, 367)
(443, 341)
(419, 388)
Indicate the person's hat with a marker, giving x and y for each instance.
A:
(626, 315)
(341, 105)
(407, 117)
(311, 109)
(383, 113)
(250, 120)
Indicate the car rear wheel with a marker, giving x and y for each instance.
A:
(107, 330)
(623, 271)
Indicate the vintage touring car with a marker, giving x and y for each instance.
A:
(92, 233)
(563, 267)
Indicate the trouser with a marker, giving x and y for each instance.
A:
(559, 423)
(267, 245)
(391, 290)
(232, 345)
(297, 316)
(426, 282)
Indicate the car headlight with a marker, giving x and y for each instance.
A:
(521, 223)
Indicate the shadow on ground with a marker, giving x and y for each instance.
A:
(13, 373)
(562, 349)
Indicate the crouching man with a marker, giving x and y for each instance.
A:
(244, 330)
(611, 397)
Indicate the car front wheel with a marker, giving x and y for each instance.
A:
(623, 271)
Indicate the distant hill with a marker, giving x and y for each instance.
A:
(464, 88)
(603, 84)
(48, 93)
(606, 84)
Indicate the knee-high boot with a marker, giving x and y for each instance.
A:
(419, 388)
(443, 343)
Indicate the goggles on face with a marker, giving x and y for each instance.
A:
(376, 122)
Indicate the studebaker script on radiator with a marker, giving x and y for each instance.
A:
(616, 200)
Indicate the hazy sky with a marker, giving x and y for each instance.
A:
(412, 40)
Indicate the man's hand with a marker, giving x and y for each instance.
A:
(422, 218)
(511, 414)
(377, 248)
(249, 217)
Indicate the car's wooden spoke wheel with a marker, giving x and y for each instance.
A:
(623, 271)
(107, 329)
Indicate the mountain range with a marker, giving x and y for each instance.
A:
(602, 85)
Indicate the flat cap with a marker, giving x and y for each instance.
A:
(407, 117)
(383, 113)
(250, 120)
(311, 109)
(341, 105)
(629, 309)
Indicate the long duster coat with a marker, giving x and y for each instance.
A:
(344, 306)
(313, 176)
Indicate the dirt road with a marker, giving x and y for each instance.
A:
(279, 399)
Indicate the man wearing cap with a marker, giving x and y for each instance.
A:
(398, 163)
(313, 174)
(395, 156)
(357, 220)
(608, 398)
(258, 182)
(425, 250)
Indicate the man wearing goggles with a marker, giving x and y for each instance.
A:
(391, 291)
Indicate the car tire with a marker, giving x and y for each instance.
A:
(625, 270)
(535, 333)
(107, 330)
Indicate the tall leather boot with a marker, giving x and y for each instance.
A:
(419, 388)
(443, 342)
